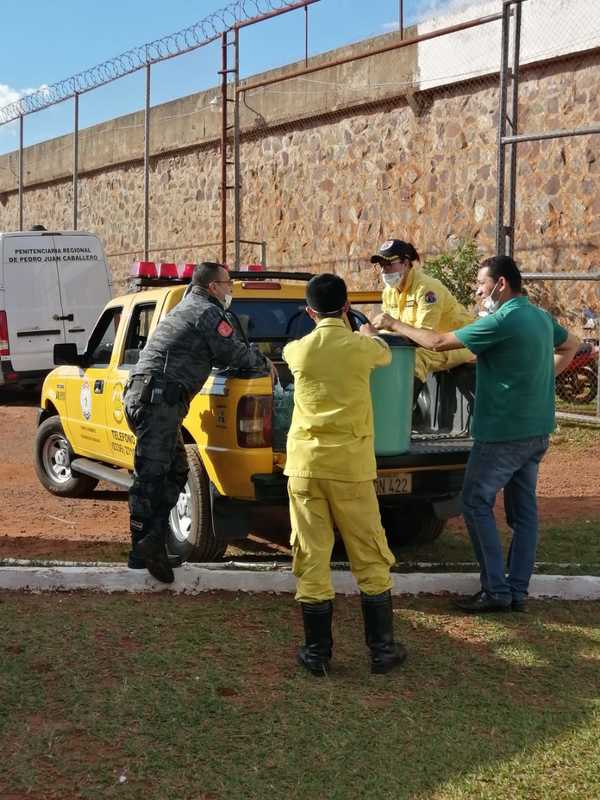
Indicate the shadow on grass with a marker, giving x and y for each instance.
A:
(158, 696)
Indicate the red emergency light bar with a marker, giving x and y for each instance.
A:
(252, 268)
(167, 270)
(162, 271)
(143, 269)
(186, 270)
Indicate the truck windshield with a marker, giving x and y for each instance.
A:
(273, 321)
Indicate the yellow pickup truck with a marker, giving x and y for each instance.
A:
(236, 467)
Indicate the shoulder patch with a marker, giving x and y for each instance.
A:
(224, 329)
(431, 297)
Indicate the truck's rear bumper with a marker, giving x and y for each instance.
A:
(437, 470)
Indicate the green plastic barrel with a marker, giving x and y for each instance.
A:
(392, 395)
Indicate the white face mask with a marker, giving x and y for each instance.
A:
(489, 306)
(227, 301)
(392, 279)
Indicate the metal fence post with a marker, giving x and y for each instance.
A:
(514, 125)
(147, 165)
(21, 172)
(224, 114)
(500, 232)
(75, 157)
(236, 148)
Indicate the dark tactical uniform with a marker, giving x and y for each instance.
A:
(195, 336)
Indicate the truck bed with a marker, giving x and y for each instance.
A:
(437, 449)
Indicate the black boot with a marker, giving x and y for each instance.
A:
(137, 534)
(134, 561)
(152, 549)
(379, 632)
(315, 654)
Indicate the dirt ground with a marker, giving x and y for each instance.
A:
(32, 521)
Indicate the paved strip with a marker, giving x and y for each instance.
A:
(194, 579)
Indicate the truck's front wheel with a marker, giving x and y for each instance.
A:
(52, 459)
(191, 534)
(411, 524)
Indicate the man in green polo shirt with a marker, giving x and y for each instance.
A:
(520, 349)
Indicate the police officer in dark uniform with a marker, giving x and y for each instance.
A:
(195, 336)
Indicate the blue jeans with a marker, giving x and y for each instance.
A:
(512, 466)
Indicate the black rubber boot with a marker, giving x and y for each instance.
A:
(137, 534)
(315, 654)
(135, 561)
(379, 633)
(153, 551)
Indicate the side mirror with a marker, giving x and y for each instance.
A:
(67, 355)
(356, 318)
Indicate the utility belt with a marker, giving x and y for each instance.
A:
(156, 389)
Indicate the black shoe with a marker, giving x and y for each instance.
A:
(160, 569)
(135, 562)
(482, 603)
(152, 549)
(315, 654)
(386, 654)
(519, 606)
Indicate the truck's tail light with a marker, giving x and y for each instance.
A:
(254, 426)
(261, 285)
(4, 348)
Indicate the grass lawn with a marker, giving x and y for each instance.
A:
(569, 548)
(157, 697)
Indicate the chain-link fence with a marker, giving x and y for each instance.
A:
(312, 165)
(547, 211)
(573, 299)
(306, 166)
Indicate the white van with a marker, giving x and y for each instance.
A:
(53, 286)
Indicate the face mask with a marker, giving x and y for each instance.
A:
(490, 306)
(392, 279)
(227, 301)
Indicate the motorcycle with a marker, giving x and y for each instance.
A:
(578, 384)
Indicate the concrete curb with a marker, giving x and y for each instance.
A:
(194, 579)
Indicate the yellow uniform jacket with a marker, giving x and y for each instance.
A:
(331, 435)
(424, 302)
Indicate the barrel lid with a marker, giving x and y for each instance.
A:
(395, 340)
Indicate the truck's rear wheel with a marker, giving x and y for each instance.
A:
(191, 534)
(411, 524)
(52, 460)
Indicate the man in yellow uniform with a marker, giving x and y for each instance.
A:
(414, 298)
(331, 469)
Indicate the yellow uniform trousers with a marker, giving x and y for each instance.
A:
(427, 361)
(316, 506)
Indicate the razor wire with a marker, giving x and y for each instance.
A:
(186, 40)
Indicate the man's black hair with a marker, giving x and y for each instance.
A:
(326, 294)
(503, 267)
(205, 273)
(38, 228)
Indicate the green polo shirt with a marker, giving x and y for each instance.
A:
(514, 346)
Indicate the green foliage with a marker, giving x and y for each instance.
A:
(457, 270)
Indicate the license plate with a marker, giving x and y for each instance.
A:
(401, 483)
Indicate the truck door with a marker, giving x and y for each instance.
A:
(121, 441)
(33, 303)
(86, 391)
(84, 284)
